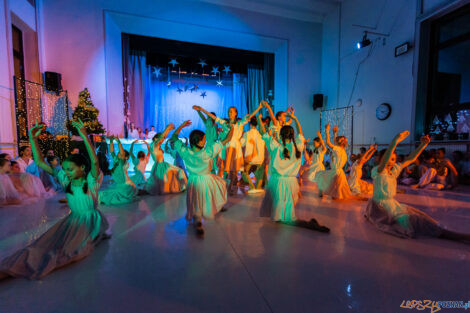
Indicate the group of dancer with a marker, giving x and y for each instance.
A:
(209, 166)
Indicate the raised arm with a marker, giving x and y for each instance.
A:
(34, 133)
(366, 156)
(335, 133)
(198, 109)
(95, 168)
(111, 146)
(131, 152)
(322, 143)
(297, 124)
(121, 149)
(290, 111)
(176, 133)
(425, 140)
(391, 148)
(262, 130)
(228, 138)
(165, 133)
(260, 106)
(271, 113)
(148, 149)
(327, 134)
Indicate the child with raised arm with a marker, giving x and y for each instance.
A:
(140, 164)
(333, 182)
(210, 123)
(76, 235)
(356, 184)
(254, 157)
(282, 192)
(164, 177)
(232, 155)
(123, 190)
(318, 154)
(395, 218)
(206, 193)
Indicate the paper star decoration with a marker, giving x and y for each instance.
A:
(194, 88)
(202, 63)
(219, 83)
(168, 84)
(226, 69)
(215, 70)
(203, 94)
(173, 62)
(179, 90)
(185, 88)
(157, 71)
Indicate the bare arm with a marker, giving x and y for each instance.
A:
(34, 133)
(335, 133)
(131, 152)
(198, 110)
(228, 138)
(262, 130)
(271, 113)
(111, 146)
(176, 133)
(260, 106)
(297, 124)
(425, 140)
(165, 133)
(391, 148)
(327, 134)
(148, 148)
(364, 158)
(121, 149)
(95, 168)
(322, 143)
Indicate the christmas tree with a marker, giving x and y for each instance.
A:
(86, 112)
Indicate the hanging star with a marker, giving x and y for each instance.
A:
(219, 83)
(226, 69)
(168, 84)
(215, 70)
(202, 63)
(179, 90)
(195, 87)
(157, 71)
(185, 88)
(203, 94)
(173, 62)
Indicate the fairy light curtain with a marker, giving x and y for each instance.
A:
(159, 96)
(341, 117)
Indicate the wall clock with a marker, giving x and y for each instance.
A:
(383, 111)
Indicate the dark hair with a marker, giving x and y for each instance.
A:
(152, 126)
(156, 136)
(21, 149)
(3, 162)
(195, 137)
(3, 155)
(51, 158)
(279, 113)
(316, 139)
(442, 149)
(140, 154)
(13, 162)
(254, 121)
(287, 132)
(78, 160)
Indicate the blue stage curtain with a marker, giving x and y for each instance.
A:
(153, 102)
(256, 87)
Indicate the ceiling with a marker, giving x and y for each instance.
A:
(303, 10)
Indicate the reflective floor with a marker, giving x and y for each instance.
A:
(155, 263)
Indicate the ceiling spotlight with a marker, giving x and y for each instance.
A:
(364, 43)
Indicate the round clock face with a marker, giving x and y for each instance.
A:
(383, 111)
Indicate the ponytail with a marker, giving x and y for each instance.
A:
(286, 151)
(297, 152)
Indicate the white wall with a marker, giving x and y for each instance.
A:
(381, 77)
(73, 37)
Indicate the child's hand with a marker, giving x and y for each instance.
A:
(425, 140)
(186, 123)
(196, 107)
(318, 134)
(264, 103)
(80, 126)
(401, 136)
(327, 127)
(35, 131)
(171, 126)
(335, 129)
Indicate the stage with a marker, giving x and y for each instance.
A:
(155, 263)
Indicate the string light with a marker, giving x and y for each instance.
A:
(341, 117)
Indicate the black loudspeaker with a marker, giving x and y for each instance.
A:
(317, 101)
(53, 81)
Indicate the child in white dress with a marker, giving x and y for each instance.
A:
(8, 193)
(282, 192)
(28, 185)
(254, 157)
(123, 190)
(211, 128)
(333, 182)
(206, 193)
(140, 164)
(395, 218)
(318, 154)
(356, 184)
(164, 177)
(76, 235)
(232, 153)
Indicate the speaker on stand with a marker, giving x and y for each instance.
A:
(53, 82)
(317, 101)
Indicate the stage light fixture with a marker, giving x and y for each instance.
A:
(364, 43)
